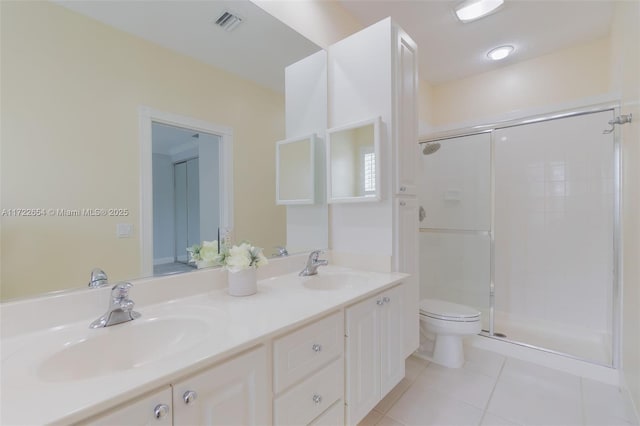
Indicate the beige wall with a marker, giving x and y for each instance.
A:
(625, 73)
(70, 92)
(564, 76)
(425, 106)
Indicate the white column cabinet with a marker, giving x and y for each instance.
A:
(235, 392)
(406, 154)
(406, 210)
(374, 73)
(374, 356)
(405, 112)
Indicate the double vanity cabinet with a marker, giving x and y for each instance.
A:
(330, 370)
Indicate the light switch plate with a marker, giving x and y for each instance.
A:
(124, 230)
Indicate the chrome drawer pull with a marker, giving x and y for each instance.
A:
(317, 399)
(161, 411)
(379, 302)
(316, 347)
(189, 397)
(386, 299)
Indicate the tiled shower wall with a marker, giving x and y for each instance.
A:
(554, 221)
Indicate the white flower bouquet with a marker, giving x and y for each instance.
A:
(235, 258)
(204, 255)
(240, 257)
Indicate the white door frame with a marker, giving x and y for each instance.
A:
(147, 116)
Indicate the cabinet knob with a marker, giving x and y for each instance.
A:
(316, 347)
(386, 299)
(189, 397)
(161, 411)
(379, 302)
(403, 203)
(403, 188)
(317, 399)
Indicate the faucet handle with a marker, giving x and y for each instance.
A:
(121, 290)
(98, 278)
(282, 251)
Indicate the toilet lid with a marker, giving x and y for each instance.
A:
(439, 309)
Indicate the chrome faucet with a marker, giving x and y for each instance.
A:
(120, 307)
(98, 278)
(282, 251)
(313, 262)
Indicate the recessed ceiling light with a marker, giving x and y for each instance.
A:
(500, 52)
(470, 10)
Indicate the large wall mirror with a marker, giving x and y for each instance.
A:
(74, 75)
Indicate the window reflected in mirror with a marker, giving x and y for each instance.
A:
(353, 162)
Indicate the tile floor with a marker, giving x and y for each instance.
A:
(493, 390)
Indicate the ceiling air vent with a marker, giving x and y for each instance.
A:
(228, 21)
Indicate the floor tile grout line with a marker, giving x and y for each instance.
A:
(411, 383)
(495, 384)
(582, 404)
(396, 401)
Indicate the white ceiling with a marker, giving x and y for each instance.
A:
(449, 49)
(259, 49)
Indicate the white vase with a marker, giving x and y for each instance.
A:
(243, 282)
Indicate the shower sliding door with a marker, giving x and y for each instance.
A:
(554, 235)
(520, 223)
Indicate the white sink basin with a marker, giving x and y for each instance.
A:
(333, 281)
(122, 347)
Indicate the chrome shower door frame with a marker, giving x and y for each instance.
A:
(617, 222)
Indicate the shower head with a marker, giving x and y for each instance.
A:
(430, 148)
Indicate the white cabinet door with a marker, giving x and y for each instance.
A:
(235, 392)
(154, 409)
(374, 351)
(363, 358)
(406, 260)
(405, 110)
(391, 339)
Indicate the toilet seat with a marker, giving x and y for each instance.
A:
(447, 311)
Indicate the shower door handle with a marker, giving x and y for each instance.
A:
(422, 214)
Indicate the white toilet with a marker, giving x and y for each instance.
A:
(449, 322)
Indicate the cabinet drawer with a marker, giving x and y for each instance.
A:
(334, 416)
(306, 401)
(303, 351)
(154, 409)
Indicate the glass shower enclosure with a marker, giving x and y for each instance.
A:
(521, 222)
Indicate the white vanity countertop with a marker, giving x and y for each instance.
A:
(191, 334)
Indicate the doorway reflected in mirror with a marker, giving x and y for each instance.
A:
(186, 198)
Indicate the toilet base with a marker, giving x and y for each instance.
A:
(442, 349)
(448, 351)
